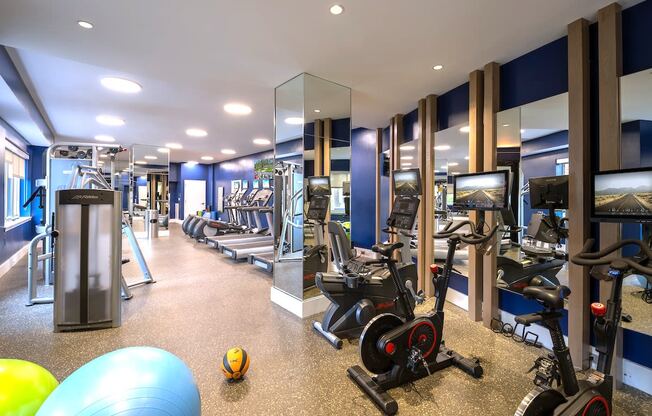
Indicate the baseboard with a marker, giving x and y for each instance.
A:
(298, 307)
(13, 260)
(458, 299)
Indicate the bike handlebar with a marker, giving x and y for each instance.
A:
(587, 258)
(471, 238)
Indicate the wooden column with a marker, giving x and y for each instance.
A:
(489, 153)
(428, 200)
(476, 145)
(319, 148)
(379, 172)
(579, 154)
(396, 137)
(423, 236)
(610, 63)
(326, 144)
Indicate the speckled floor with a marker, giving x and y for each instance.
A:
(203, 303)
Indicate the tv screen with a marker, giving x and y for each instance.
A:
(622, 195)
(266, 184)
(549, 192)
(407, 182)
(486, 191)
(256, 184)
(319, 186)
(245, 184)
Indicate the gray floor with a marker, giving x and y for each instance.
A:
(203, 303)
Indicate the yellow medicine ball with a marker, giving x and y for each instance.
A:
(235, 363)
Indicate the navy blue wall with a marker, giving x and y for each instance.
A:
(191, 172)
(453, 107)
(363, 187)
(411, 126)
(637, 32)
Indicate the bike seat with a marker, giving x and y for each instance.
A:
(552, 297)
(386, 249)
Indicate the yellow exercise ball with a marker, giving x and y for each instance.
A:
(235, 364)
(24, 386)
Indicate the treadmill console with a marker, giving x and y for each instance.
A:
(404, 212)
(318, 208)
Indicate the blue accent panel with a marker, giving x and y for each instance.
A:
(363, 187)
(340, 165)
(459, 283)
(291, 146)
(174, 172)
(386, 138)
(341, 132)
(549, 141)
(536, 75)
(188, 172)
(411, 125)
(309, 168)
(637, 32)
(516, 304)
(453, 107)
(309, 136)
(174, 198)
(36, 170)
(636, 347)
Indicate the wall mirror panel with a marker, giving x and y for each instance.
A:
(149, 185)
(636, 152)
(451, 158)
(533, 146)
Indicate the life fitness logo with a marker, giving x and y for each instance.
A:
(76, 197)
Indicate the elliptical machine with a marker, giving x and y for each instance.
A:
(358, 291)
(400, 350)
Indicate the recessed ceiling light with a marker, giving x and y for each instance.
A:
(85, 24)
(237, 109)
(522, 131)
(465, 129)
(108, 120)
(453, 164)
(442, 147)
(317, 110)
(104, 138)
(163, 150)
(151, 157)
(173, 146)
(192, 163)
(444, 167)
(406, 164)
(336, 9)
(407, 157)
(207, 158)
(140, 162)
(438, 67)
(228, 151)
(505, 125)
(262, 141)
(121, 85)
(404, 147)
(104, 156)
(467, 157)
(144, 177)
(455, 173)
(295, 121)
(195, 132)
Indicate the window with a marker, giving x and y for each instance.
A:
(14, 185)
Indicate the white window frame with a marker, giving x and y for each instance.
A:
(12, 221)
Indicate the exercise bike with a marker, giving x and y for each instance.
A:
(593, 396)
(400, 350)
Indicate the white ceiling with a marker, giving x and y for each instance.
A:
(192, 57)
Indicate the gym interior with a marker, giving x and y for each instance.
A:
(268, 208)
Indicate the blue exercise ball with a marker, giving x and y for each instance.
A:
(130, 381)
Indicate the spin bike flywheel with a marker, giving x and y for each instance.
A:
(540, 401)
(373, 359)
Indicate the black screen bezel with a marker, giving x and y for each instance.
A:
(419, 190)
(505, 173)
(640, 219)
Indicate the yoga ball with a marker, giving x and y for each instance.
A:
(129, 381)
(24, 386)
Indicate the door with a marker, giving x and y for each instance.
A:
(194, 196)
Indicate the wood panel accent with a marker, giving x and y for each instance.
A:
(395, 160)
(423, 236)
(579, 153)
(319, 147)
(476, 145)
(490, 157)
(611, 68)
(379, 171)
(428, 200)
(326, 143)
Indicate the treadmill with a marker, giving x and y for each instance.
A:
(257, 234)
(240, 249)
(264, 260)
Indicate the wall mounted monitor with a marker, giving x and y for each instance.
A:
(235, 185)
(549, 192)
(266, 184)
(622, 195)
(319, 186)
(245, 184)
(407, 182)
(486, 191)
(256, 184)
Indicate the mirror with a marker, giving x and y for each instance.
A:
(636, 152)
(533, 146)
(451, 158)
(312, 180)
(148, 183)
